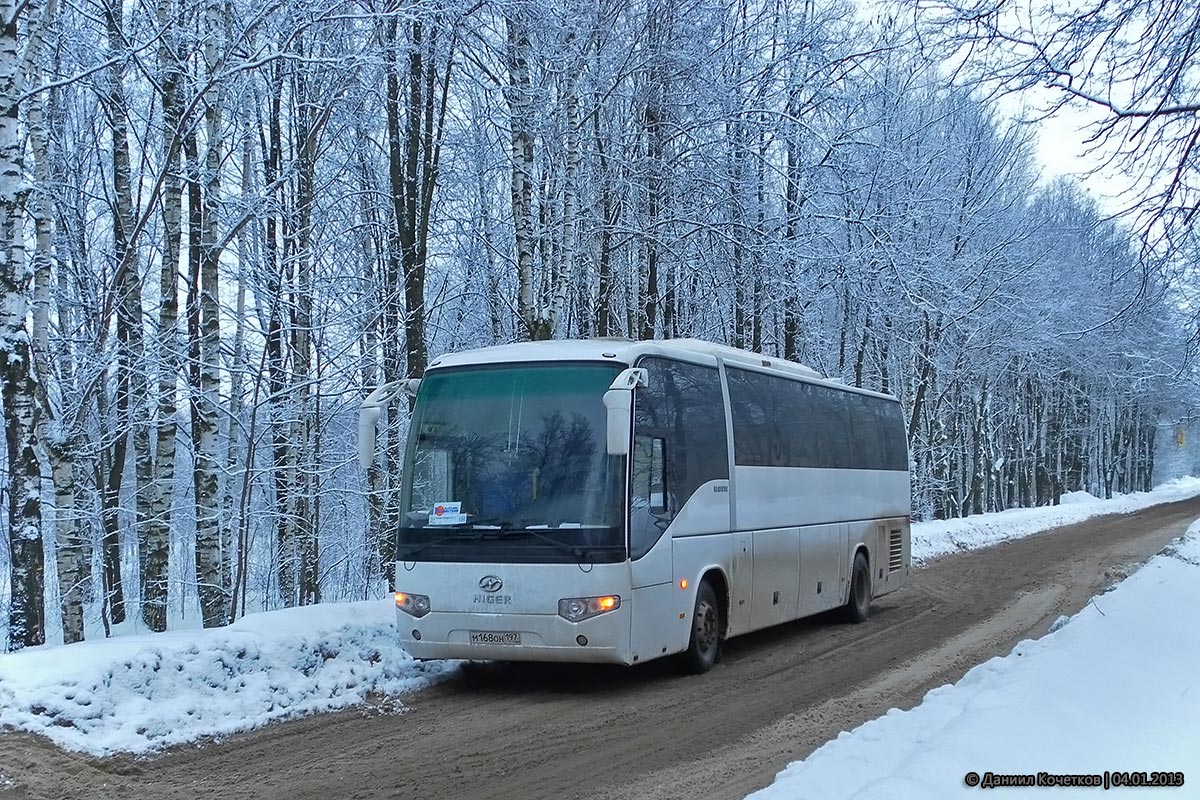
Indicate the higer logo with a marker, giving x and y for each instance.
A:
(490, 584)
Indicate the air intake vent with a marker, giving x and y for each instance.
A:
(895, 550)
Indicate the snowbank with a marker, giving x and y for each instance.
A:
(936, 538)
(1116, 688)
(140, 693)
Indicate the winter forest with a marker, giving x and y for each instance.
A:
(224, 222)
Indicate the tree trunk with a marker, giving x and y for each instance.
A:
(564, 271)
(155, 545)
(131, 383)
(520, 103)
(652, 123)
(18, 387)
(610, 211)
(381, 550)
(214, 601)
(307, 134)
(57, 439)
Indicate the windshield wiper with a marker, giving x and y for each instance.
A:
(459, 530)
(499, 527)
(495, 528)
(412, 550)
(580, 553)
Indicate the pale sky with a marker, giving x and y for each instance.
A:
(1062, 148)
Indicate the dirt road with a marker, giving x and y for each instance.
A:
(563, 732)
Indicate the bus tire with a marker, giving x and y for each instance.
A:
(705, 642)
(858, 606)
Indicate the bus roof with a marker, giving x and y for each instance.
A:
(627, 351)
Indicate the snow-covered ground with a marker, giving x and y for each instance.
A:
(140, 692)
(1115, 688)
(143, 692)
(937, 538)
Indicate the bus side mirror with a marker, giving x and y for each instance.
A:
(618, 401)
(367, 419)
(368, 416)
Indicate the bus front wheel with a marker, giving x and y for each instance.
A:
(705, 642)
(859, 604)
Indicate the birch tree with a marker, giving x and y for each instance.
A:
(206, 329)
(154, 544)
(56, 431)
(18, 382)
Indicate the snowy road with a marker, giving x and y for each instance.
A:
(535, 731)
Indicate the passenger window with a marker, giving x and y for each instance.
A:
(779, 422)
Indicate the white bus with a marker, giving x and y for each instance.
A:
(619, 501)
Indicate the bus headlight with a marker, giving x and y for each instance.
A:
(576, 609)
(415, 605)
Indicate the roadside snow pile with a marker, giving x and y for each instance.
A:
(938, 537)
(1115, 689)
(141, 693)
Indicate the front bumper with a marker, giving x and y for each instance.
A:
(544, 637)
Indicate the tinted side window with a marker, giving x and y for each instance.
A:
(763, 430)
(779, 422)
(680, 419)
(755, 421)
(893, 435)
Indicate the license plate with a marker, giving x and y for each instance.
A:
(495, 637)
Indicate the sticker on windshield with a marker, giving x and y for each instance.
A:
(447, 514)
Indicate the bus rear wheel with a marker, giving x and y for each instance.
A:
(858, 607)
(705, 642)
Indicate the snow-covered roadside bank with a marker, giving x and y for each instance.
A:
(1114, 689)
(144, 692)
(939, 537)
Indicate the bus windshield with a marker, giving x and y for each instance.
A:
(508, 462)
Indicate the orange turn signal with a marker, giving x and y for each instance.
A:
(683, 583)
(400, 598)
(608, 603)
